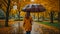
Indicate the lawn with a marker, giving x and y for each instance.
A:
(55, 24)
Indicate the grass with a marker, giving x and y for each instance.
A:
(18, 19)
(55, 24)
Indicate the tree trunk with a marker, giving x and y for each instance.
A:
(19, 15)
(34, 15)
(38, 17)
(51, 16)
(7, 14)
(59, 17)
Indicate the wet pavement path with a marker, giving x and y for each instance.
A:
(37, 28)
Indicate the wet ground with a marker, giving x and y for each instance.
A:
(37, 28)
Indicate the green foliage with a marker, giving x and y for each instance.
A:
(55, 24)
(2, 14)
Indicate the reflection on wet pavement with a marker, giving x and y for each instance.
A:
(36, 29)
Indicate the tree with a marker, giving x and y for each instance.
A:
(59, 17)
(19, 5)
(38, 17)
(34, 15)
(7, 14)
(51, 16)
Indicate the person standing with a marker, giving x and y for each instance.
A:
(27, 23)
